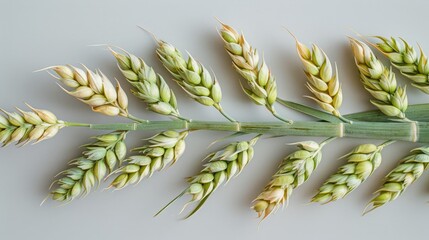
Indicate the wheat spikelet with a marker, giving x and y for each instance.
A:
(192, 76)
(403, 56)
(149, 86)
(362, 161)
(261, 85)
(24, 127)
(163, 150)
(379, 81)
(322, 81)
(94, 89)
(222, 166)
(99, 159)
(294, 170)
(408, 171)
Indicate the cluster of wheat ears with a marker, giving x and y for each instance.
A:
(107, 156)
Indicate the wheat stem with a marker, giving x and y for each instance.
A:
(183, 118)
(281, 118)
(76, 124)
(402, 131)
(131, 117)
(220, 109)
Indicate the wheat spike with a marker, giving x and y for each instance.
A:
(100, 158)
(401, 177)
(379, 81)
(261, 85)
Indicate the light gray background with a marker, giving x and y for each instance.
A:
(36, 34)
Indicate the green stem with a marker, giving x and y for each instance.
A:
(282, 119)
(75, 124)
(323, 143)
(274, 113)
(403, 131)
(181, 118)
(345, 119)
(220, 109)
(386, 143)
(326, 141)
(136, 118)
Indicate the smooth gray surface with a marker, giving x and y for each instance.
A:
(36, 34)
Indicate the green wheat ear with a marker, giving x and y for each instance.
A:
(24, 127)
(362, 161)
(221, 167)
(380, 82)
(400, 178)
(162, 150)
(99, 159)
(261, 85)
(404, 57)
(148, 86)
(293, 171)
(192, 76)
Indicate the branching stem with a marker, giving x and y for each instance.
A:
(368, 130)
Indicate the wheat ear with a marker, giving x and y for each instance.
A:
(261, 84)
(192, 76)
(293, 171)
(322, 80)
(23, 127)
(148, 86)
(94, 89)
(379, 81)
(100, 158)
(222, 166)
(362, 161)
(401, 177)
(163, 150)
(403, 56)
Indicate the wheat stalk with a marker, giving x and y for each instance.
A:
(294, 170)
(261, 85)
(24, 127)
(100, 158)
(163, 150)
(148, 86)
(94, 89)
(379, 81)
(192, 76)
(401, 177)
(322, 81)
(103, 157)
(221, 167)
(362, 161)
(403, 56)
